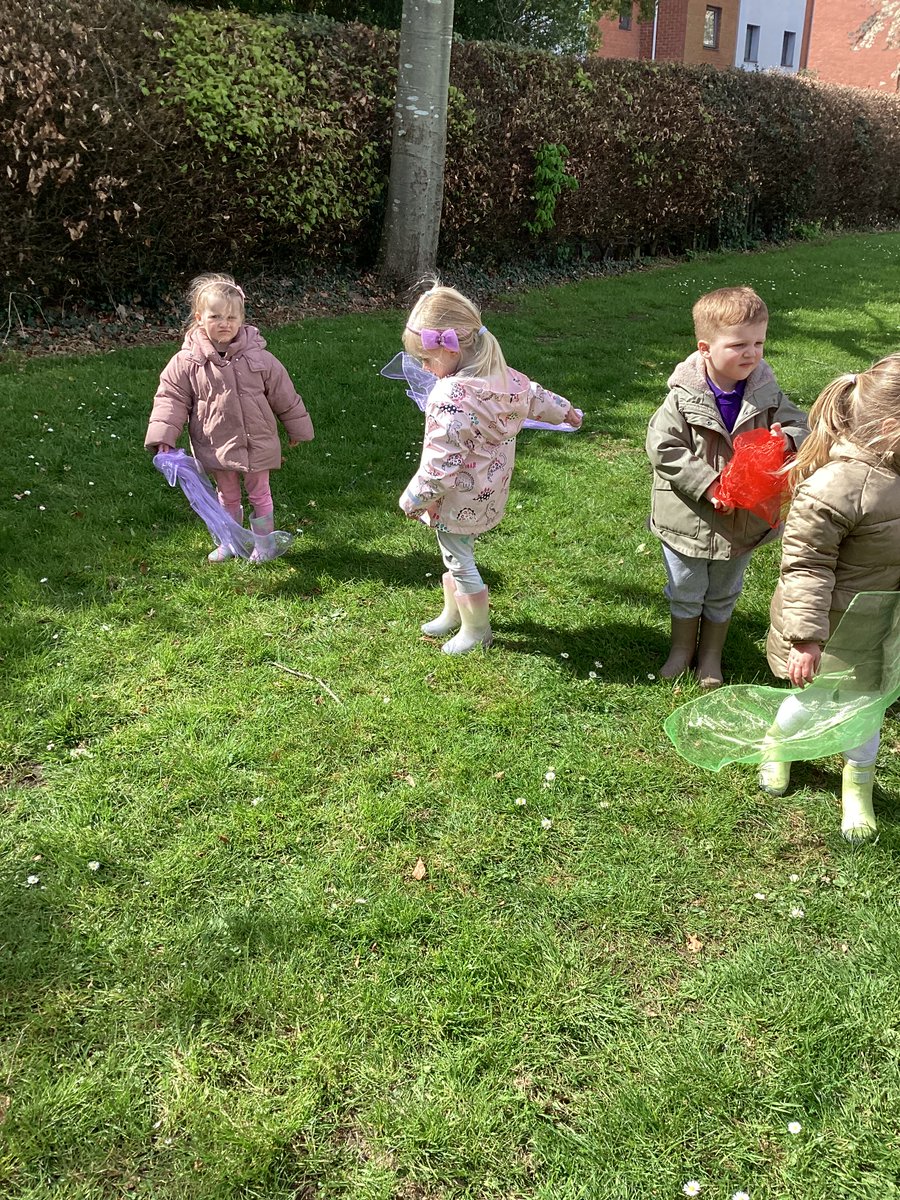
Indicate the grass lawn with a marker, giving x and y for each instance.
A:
(227, 981)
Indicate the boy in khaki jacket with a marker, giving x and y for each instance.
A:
(723, 389)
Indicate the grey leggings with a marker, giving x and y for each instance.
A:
(794, 714)
(458, 553)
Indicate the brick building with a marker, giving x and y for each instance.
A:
(830, 51)
(687, 31)
(784, 35)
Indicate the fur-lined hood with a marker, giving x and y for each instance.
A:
(691, 374)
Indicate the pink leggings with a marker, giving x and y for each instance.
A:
(228, 485)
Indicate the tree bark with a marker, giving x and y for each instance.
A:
(416, 189)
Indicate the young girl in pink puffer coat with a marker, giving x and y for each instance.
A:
(472, 417)
(229, 390)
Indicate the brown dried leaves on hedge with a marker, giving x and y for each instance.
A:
(116, 179)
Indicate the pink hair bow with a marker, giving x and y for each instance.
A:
(433, 339)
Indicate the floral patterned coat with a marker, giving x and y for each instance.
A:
(462, 484)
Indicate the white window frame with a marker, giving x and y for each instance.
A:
(751, 44)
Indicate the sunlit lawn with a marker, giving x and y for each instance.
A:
(224, 979)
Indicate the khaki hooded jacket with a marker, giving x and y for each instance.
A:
(688, 447)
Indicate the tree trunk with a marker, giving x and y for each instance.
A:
(415, 193)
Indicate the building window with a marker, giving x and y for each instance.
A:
(711, 23)
(624, 22)
(751, 44)
(787, 49)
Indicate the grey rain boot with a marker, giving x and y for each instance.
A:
(683, 647)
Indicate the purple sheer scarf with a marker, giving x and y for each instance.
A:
(184, 471)
(420, 382)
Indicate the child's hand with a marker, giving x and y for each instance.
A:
(803, 662)
(291, 445)
(162, 448)
(777, 432)
(575, 417)
(718, 505)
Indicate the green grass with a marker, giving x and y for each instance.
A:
(252, 996)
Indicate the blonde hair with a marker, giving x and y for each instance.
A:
(443, 308)
(213, 286)
(725, 308)
(853, 408)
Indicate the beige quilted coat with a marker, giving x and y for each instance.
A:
(842, 536)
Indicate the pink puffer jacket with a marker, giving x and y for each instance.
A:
(229, 402)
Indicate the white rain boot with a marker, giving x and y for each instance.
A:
(476, 626)
(857, 815)
(264, 544)
(449, 618)
(223, 553)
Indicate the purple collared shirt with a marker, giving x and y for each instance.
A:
(728, 403)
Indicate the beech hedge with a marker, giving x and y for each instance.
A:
(141, 142)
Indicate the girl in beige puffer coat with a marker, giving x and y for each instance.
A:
(842, 537)
(230, 391)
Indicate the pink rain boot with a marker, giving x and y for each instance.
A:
(476, 627)
(264, 544)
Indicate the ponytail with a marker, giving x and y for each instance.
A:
(863, 409)
(442, 308)
(829, 422)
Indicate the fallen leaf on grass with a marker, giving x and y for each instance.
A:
(419, 871)
(693, 944)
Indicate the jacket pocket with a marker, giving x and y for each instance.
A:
(672, 512)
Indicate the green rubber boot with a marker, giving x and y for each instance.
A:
(683, 647)
(709, 653)
(857, 815)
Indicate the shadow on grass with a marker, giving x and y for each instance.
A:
(631, 651)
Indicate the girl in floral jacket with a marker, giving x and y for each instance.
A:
(472, 417)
